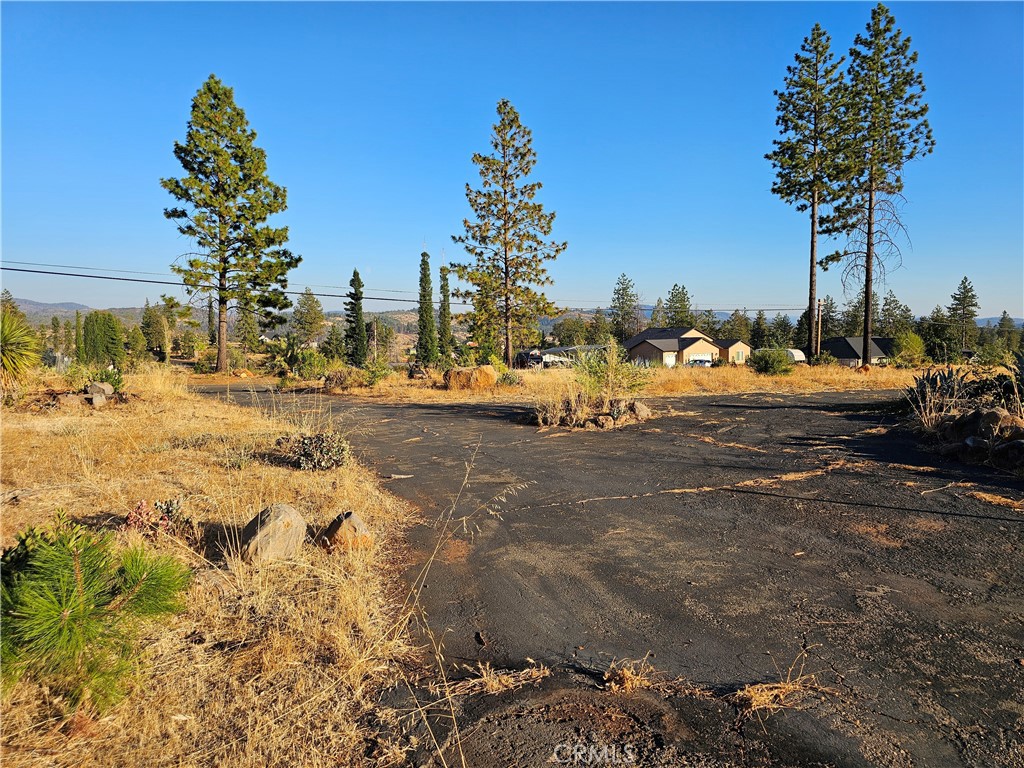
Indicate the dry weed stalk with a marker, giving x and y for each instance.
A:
(492, 681)
(790, 692)
(629, 675)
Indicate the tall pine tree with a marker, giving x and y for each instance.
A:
(426, 340)
(625, 309)
(356, 344)
(308, 317)
(807, 157)
(506, 240)
(678, 310)
(227, 199)
(963, 310)
(884, 129)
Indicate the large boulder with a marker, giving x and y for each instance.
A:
(346, 530)
(276, 533)
(480, 377)
(100, 388)
(1009, 455)
(643, 413)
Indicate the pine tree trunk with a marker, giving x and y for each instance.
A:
(222, 324)
(869, 258)
(812, 295)
(508, 314)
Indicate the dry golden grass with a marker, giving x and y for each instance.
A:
(790, 692)
(271, 666)
(630, 675)
(817, 378)
(486, 679)
(999, 501)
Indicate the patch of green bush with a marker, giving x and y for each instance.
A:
(825, 358)
(72, 605)
(319, 451)
(311, 365)
(771, 362)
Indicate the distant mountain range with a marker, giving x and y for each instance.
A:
(403, 320)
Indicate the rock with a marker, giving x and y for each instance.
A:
(1013, 433)
(977, 445)
(100, 388)
(603, 421)
(71, 401)
(1009, 455)
(276, 533)
(625, 417)
(347, 529)
(480, 377)
(643, 413)
(965, 426)
(97, 400)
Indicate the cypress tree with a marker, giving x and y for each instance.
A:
(445, 339)
(807, 158)
(426, 341)
(227, 200)
(505, 242)
(79, 347)
(356, 345)
(103, 340)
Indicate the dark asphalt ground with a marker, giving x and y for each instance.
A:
(724, 538)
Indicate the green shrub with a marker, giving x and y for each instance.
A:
(207, 362)
(321, 450)
(771, 362)
(111, 376)
(377, 369)
(825, 358)
(606, 375)
(310, 365)
(72, 605)
(19, 349)
(907, 350)
(510, 379)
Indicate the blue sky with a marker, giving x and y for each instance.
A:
(650, 122)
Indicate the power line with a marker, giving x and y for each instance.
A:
(182, 285)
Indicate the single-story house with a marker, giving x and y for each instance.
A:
(847, 350)
(673, 346)
(733, 350)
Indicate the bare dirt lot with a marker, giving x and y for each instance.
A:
(725, 538)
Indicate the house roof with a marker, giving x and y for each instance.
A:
(674, 344)
(849, 347)
(726, 343)
(659, 333)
